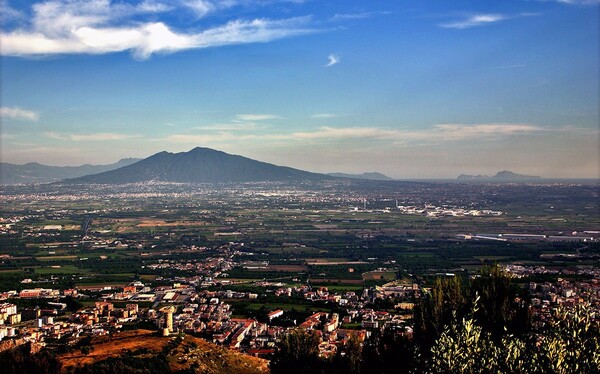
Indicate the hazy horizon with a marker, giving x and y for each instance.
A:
(451, 177)
(413, 90)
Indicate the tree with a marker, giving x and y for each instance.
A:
(20, 360)
(448, 300)
(571, 344)
(348, 358)
(297, 352)
(499, 309)
(465, 347)
(389, 352)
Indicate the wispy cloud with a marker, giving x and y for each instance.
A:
(442, 132)
(256, 117)
(202, 7)
(482, 19)
(242, 122)
(474, 20)
(460, 131)
(103, 136)
(578, 2)
(359, 15)
(18, 114)
(99, 26)
(324, 115)
(333, 60)
(327, 132)
(9, 13)
(4, 136)
(507, 67)
(199, 138)
(151, 6)
(434, 135)
(243, 126)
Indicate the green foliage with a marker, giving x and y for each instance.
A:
(348, 359)
(298, 352)
(572, 345)
(388, 353)
(499, 310)
(464, 347)
(447, 299)
(352, 357)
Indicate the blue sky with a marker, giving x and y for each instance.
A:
(413, 89)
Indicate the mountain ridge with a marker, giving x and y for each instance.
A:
(34, 172)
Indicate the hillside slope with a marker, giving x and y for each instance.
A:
(144, 349)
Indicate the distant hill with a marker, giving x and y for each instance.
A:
(200, 165)
(370, 176)
(500, 176)
(38, 173)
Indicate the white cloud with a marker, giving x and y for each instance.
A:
(153, 6)
(359, 15)
(256, 117)
(438, 133)
(460, 131)
(9, 13)
(475, 20)
(326, 132)
(244, 126)
(18, 113)
(333, 60)
(434, 135)
(99, 26)
(507, 67)
(579, 2)
(324, 115)
(200, 139)
(4, 136)
(102, 136)
(202, 7)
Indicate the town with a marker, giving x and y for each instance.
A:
(242, 266)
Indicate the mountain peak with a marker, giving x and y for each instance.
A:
(504, 175)
(368, 175)
(199, 165)
(201, 149)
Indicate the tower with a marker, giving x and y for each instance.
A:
(168, 317)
